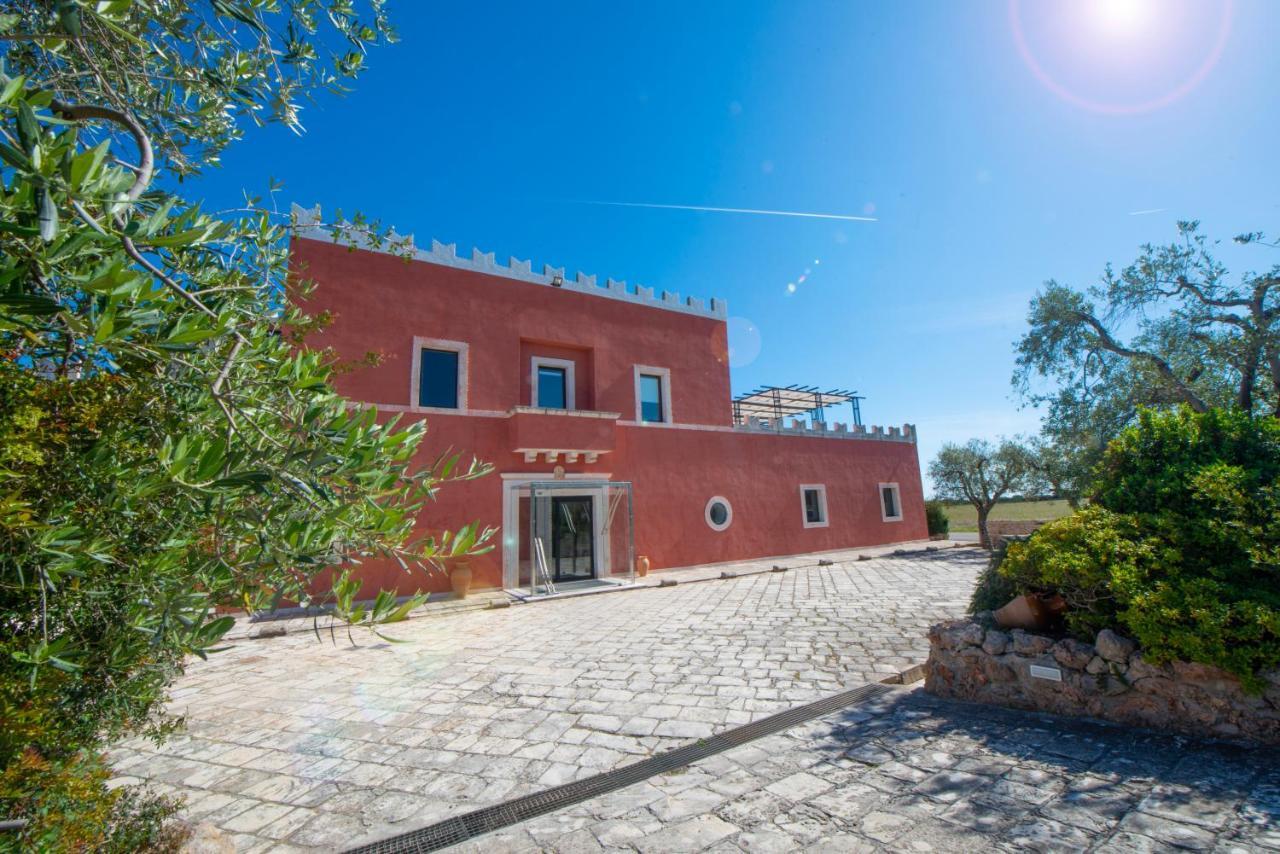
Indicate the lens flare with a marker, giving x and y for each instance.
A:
(1119, 42)
(744, 342)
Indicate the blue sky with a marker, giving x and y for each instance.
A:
(997, 146)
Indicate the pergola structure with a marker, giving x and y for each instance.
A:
(777, 402)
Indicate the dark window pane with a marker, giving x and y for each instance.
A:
(719, 513)
(890, 501)
(551, 387)
(651, 398)
(438, 379)
(812, 506)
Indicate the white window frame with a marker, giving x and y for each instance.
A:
(706, 512)
(897, 501)
(821, 489)
(463, 349)
(664, 381)
(568, 365)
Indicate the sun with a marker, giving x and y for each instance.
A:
(1122, 19)
(1120, 56)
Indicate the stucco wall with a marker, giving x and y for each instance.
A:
(674, 472)
(380, 302)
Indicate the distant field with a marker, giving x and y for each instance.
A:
(964, 518)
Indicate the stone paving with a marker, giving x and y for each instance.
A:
(298, 743)
(914, 773)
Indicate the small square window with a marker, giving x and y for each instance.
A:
(813, 504)
(890, 502)
(552, 383)
(438, 378)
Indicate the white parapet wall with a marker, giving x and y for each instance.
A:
(824, 429)
(308, 224)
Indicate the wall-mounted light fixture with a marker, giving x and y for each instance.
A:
(557, 281)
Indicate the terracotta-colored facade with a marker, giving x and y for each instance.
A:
(596, 339)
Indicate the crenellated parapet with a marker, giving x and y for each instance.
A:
(308, 224)
(831, 430)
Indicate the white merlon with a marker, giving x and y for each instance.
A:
(308, 224)
(441, 253)
(836, 430)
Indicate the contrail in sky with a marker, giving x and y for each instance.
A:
(736, 210)
(1148, 211)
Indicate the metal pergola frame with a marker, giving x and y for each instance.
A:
(777, 402)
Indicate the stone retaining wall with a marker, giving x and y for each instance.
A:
(1108, 679)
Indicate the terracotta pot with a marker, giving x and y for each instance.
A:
(642, 566)
(460, 578)
(1030, 612)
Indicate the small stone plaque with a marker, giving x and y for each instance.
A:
(1053, 674)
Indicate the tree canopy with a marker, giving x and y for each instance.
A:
(980, 473)
(1173, 328)
(167, 445)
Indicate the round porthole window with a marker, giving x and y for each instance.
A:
(719, 513)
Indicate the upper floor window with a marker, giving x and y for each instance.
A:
(653, 394)
(813, 503)
(551, 387)
(439, 374)
(552, 383)
(890, 502)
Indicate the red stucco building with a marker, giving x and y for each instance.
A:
(580, 384)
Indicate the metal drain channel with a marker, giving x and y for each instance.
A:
(460, 828)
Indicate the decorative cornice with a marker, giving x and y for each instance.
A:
(308, 224)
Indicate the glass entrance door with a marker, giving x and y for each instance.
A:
(572, 538)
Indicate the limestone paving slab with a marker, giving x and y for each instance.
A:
(332, 739)
(984, 780)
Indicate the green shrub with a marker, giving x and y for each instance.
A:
(50, 778)
(1204, 486)
(936, 517)
(993, 590)
(1084, 558)
(1181, 546)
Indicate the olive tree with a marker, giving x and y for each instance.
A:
(980, 473)
(169, 449)
(1173, 328)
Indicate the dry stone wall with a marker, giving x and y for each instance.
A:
(1107, 679)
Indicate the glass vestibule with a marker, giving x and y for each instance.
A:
(574, 532)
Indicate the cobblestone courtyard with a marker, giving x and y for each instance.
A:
(296, 744)
(318, 742)
(914, 773)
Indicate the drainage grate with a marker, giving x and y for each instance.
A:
(460, 828)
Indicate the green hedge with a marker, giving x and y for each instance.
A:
(936, 517)
(1181, 546)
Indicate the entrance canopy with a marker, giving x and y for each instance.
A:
(793, 401)
(575, 534)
